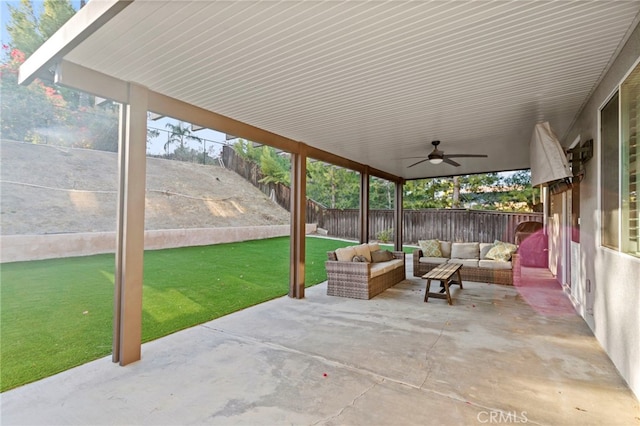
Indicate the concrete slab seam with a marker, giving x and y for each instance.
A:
(351, 404)
(426, 356)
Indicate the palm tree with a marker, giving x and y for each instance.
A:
(179, 134)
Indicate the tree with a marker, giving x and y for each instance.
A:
(519, 194)
(41, 112)
(472, 185)
(23, 28)
(28, 112)
(247, 150)
(381, 194)
(455, 198)
(179, 134)
(94, 127)
(332, 186)
(28, 31)
(151, 134)
(338, 188)
(275, 168)
(434, 193)
(490, 191)
(55, 13)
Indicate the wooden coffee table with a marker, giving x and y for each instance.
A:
(443, 273)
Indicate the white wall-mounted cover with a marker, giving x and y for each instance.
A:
(548, 160)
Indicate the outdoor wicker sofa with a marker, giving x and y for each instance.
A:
(473, 256)
(363, 279)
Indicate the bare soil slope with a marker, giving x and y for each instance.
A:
(48, 189)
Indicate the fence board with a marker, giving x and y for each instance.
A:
(442, 224)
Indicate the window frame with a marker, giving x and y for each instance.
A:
(611, 241)
(624, 242)
(629, 171)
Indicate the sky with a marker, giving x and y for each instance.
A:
(5, 15)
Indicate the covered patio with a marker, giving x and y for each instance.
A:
(498, 355)
(365, 86)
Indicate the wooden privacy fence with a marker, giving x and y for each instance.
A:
(279, 193)
(442, 224)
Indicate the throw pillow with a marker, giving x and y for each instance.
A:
(501, 251)
(363, 250)
(381, 256)
(509, 245)
(345, 254)
(445, 248)
(359, 258)
(465, 251)
(430, 248)
(374, 247)
(484, 249)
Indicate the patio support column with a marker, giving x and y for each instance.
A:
(398, 216)
(364, 205)
(298, 222)
(127, 318)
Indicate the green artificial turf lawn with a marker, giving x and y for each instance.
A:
(58, 313)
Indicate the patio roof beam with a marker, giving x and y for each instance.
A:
(175, 108)
(90, 81)
(171, 107)
(334, 159)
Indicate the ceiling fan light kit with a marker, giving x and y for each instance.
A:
(436, 156)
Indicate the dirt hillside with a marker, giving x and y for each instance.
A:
(46, 189)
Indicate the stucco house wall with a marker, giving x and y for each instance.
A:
(608, 291)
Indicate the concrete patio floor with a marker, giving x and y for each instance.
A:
(498, 355)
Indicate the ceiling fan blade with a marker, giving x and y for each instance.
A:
(449, 161)
(421, 161)
(466, 155)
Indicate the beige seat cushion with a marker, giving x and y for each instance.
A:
(469, 263)
(383, 267)
(465, 250)
(495, 264)
(434, 260)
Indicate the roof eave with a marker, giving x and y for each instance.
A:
(81, 25)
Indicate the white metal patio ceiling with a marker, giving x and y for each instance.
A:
(374, 81)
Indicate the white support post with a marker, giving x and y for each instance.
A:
(127, 330)
(364, 205)
(298, 221)
(399, 216)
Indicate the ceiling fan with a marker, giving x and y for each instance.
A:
(437, 156)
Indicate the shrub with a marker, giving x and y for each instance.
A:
(385, 235)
